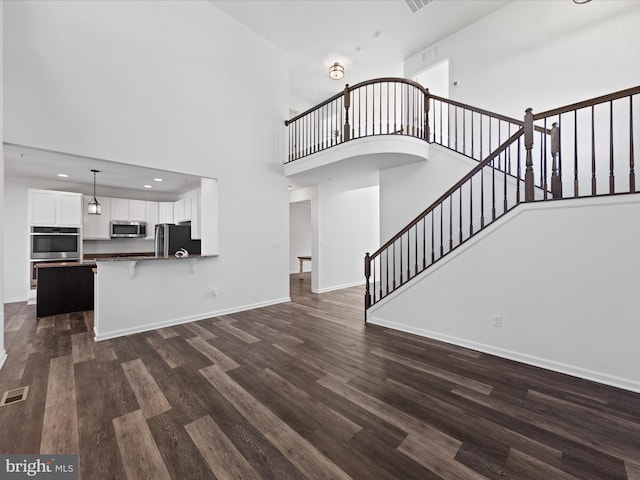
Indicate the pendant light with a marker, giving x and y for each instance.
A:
(94, 208)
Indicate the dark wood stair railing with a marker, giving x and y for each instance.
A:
(400, 259)
(397, 106)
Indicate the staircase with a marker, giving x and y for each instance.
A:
(581, 150)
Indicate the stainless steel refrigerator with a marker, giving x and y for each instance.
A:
(171, 238)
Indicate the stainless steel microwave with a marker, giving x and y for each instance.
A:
(121, 229)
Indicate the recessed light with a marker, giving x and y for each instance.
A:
(63, 175)
(148, 186)
(157, 179)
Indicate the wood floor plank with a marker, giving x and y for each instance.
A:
(340, 426)
(409, 424)
(149, 396)
(312, 463)
(99, 458)
(140, 455)
(522, 465)
(167, 332)
(228, 327)
(200, 331)
(223, 458)
(633, 470)
(447, 375)
(14, 323)
(82, 347)
(60, 423)
(257, 414)
(212, 353)
(439, 461)
(169, 354)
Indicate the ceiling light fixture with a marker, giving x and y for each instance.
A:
(148, 186)
(157, 179)
(336, 71)
(94, 208)
(63, 175)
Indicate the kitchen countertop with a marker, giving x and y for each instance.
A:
(84, 263)
(151, 257)
(117, 258)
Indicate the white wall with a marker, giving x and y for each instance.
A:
(348, 226)
(541, 54)
(299, 235)
(406, 191)
(3, 354)
(565, 290)
(170, 85)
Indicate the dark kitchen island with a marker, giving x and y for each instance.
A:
(64, 287)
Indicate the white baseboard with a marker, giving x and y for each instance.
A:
(178, 321)
(548, 364)
(338, 287)
(3, 357)
(15, 300)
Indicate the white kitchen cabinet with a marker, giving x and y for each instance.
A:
(182, 210)
(165, 212)
(96, 227)
(123, 209)
(152, 219)
(119, 209)
(137, 211)
(51, 208)
(195, 216)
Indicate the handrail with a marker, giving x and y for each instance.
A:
(354, 87)
(451, 190)
(396, 106)
(588, 103)
(591, 142)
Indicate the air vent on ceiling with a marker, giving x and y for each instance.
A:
(416, 5)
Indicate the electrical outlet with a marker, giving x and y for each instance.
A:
(497, 320)
(214, 293)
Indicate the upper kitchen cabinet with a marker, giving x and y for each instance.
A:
(96, 227)
(165, 212)
(128, 210)
(195, 217)
(52, 208)
(152, 219)
(182, 210)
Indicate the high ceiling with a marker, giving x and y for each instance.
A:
(371, 38)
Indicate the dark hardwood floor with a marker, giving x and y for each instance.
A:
(302, 390)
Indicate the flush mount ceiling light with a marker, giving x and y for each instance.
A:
(94, 208)
(336, 71)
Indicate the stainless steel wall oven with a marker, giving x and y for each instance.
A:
(55, 243)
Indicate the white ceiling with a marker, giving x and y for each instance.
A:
(317, 33)
(371, 38)
(43, 164)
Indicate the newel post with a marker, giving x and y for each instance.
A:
(367, 275)
(347, 103)
(529, 191)
(556, 180)
(427, 134)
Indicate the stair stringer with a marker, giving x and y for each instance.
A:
(560, 274)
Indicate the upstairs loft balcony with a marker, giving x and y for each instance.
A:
(371, 126)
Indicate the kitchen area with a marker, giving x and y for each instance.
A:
(88, 252)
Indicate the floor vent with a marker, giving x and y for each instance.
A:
(14, 396)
